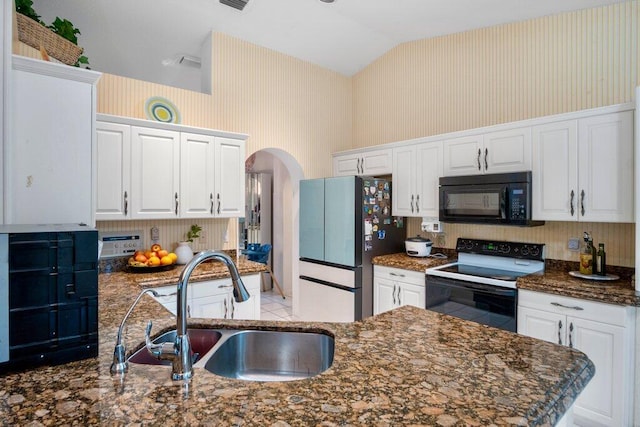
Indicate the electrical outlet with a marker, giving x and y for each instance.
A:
(203, 238)
(155, 234)
(574, 244)
(226, 236)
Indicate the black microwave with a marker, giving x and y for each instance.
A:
(500, 199)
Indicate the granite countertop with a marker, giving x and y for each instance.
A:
(554, 280)
(404, 367)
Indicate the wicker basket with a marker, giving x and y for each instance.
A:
(36, 35)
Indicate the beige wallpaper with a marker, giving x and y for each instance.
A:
(510, 72)
(544, 66)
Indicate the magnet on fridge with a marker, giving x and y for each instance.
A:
(382, 234)
(376, 208)
(370, 211)
(368, 237)
(372, 200)
(386, 186)
(372, 189)
(381, 186)
(386, 196)
(385, 211)
(387, 221)
(374, 228)
(366, 190)
(367, 246)
(375, 219)
(366, 209)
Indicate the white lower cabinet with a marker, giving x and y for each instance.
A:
(213, 299)
(394, 287)
(605, 333)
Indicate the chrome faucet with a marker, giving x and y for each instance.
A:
(179, 352)
(119, 364)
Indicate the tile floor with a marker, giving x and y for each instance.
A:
(273, 307)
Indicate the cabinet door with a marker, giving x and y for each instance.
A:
(404, 181)
(463, 156)
(376, 163)
(155, 173)
(229, 178)
(542, 325)
(428, 175)
(384, 295)
(411, 295)
(51, 155)
(249, 309)
(507, 151)
(606, 168)
(113, 171)
(555, 171)
(196, 175)
(345, 165)
(603, 399)
(211, 307)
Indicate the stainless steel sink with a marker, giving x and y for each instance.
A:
(202, 341)
(272, 355)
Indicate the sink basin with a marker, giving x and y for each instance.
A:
(202, 340)
(272, 355)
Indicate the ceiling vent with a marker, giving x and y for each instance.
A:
(236, 4)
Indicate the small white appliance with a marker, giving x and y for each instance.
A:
(418, 246)
(120, 243)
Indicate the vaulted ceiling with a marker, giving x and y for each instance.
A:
(145, 39)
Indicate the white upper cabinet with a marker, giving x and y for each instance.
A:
(50, 155)
(151, 171)
(196, 175)
(155, 159)
(113, 142)
(583, 169)
(494, 152)
(230, 176)
(416, 171)
(369, 162)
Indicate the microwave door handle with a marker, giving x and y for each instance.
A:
(504, 203)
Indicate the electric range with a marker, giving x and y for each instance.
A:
(481, 285)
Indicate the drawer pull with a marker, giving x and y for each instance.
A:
(575, 307)
(225, 286)
(396, 274)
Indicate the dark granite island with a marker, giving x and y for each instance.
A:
(404, 367)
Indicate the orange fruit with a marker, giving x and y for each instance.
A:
(153, 261)
(156, 247)
(173, 256)
(150, 254)
(166, 260)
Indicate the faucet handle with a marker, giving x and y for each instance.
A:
(159, 351)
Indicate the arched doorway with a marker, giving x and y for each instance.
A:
(287, 173)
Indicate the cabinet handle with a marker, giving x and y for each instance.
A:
(225, 286)
(126, 203)
(418, 203)
(211, 199)
(560, 332)
(225, 308)
(575, 307)
(479, 154)
(233, 308)
(486, 154)
(70, 289)
(218, 198)
(399, 302)
(358, 167)
(412, 203)
(570, 335)
(394, 294)
(176, 197)
(582, 202)
(396, 274)
(188, 311)
(573, 195)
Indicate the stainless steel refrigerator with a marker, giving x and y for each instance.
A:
(344, 223)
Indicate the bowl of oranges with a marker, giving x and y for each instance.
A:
(153, 260)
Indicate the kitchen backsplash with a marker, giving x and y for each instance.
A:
(172, 231)
(619, 239)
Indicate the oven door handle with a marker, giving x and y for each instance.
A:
(494, 290)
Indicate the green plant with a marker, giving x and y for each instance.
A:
(193, 233)
(25, 7)
(62, 27)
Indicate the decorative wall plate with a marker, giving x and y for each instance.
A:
(161, 110)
